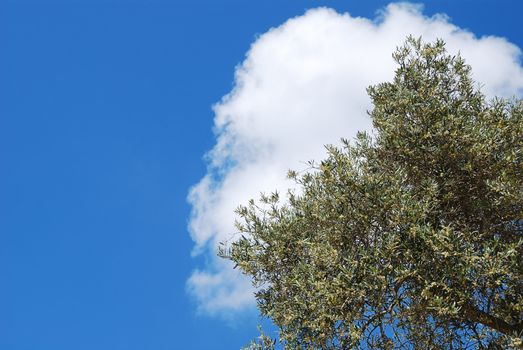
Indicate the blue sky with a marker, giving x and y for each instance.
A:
(105, 115)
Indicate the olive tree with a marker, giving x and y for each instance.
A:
(410, 237)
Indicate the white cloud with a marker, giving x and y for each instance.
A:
(301, 86)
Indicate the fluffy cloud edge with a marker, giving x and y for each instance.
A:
(309, 75)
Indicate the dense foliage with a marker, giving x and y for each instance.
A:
(409, 238)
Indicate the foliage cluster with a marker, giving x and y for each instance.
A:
(409, 238)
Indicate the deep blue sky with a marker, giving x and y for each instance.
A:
(105, 113)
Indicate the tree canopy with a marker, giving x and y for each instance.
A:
(409, 237)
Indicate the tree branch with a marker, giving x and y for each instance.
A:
(476, 315)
